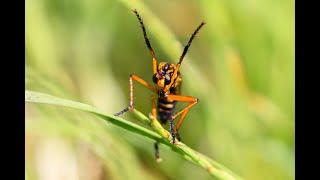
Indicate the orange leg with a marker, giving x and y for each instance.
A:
(191, 100)
(154, 65)
(132, 78)
(154, 107)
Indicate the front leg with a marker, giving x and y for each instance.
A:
(132, 78)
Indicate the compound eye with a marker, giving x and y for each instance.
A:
(167, 80)
(155, 79)
(166, 67)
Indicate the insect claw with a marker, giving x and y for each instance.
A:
(151, 116)
(130, 108)
(122, 111)
(159, 160)
(172, 131)
(157, 154)
(178, 136)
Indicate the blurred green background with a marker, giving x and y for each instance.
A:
(240, 66)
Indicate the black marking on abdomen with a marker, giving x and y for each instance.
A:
(165, 109)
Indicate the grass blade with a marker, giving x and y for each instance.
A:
(162, 135)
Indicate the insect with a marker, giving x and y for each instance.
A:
(167, 79)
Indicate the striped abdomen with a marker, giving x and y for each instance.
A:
(165, 109)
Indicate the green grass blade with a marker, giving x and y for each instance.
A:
(37, 97)
(163, 136)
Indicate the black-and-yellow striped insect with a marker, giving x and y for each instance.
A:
(167, 79)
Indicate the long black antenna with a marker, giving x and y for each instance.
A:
(144, 33)
(189, 42)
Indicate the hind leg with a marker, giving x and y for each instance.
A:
(192, 101)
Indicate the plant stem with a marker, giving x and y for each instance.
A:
(162, 136)
(214, 169)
